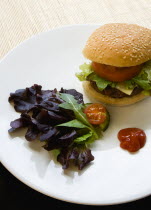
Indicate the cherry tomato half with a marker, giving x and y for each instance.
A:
(96, 113)
(115, 74)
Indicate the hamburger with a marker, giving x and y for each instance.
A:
(120, 69)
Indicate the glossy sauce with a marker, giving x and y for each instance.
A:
(132, 139)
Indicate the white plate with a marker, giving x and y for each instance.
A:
(115, 176)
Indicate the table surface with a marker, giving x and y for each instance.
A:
(19, 20)
(14, 194)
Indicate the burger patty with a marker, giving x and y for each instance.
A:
(115, 93)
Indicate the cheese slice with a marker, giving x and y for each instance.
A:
(122, 88)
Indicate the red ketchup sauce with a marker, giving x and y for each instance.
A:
(132, 139)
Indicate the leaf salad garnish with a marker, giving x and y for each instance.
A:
(56, 118)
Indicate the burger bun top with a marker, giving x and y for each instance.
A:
(119, 44)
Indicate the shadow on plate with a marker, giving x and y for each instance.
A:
(42, 158)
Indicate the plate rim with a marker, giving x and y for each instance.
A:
(24, 180)
(44, 192)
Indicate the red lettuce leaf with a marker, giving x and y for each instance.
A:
(40, 113)
(78, 96)
(33, 97)
(32, 133)
(79, 155)
(25, 99)
(61, 139)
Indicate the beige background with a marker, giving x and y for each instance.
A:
(20, 19)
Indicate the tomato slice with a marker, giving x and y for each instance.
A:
(115, 74)
(96, 113)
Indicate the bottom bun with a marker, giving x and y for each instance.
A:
(94, 95)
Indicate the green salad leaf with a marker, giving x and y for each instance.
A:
(72, 104)
(55, 152)
(74, 124)
(81, 119)
(84, 137)
(100, 82)
(85, 71)
(144, 78)
(145, 84)
(84, 133)
(129, 84)
(147, 69)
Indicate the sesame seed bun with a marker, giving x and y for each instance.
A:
(96, 96)
(119, 44)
